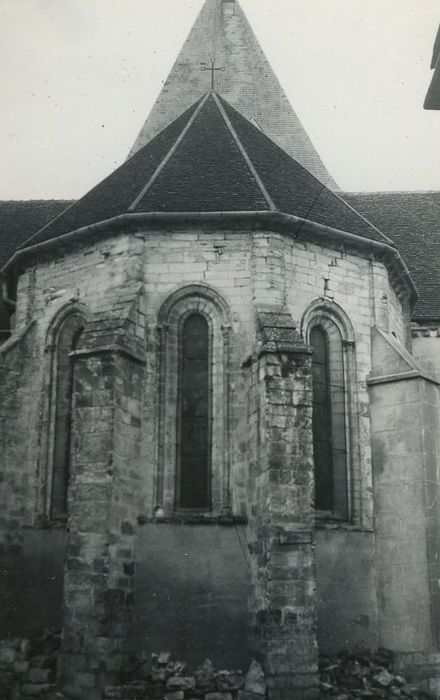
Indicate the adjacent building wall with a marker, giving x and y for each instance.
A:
(405, 420)
(426, 348)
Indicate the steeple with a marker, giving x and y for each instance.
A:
(222, 38)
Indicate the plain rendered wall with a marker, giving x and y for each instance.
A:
(192, 585)
(400, 488)
(347, 606)
(426, 351)
(35, 585)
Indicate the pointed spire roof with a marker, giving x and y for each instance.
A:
(210, 159)
(222, 34)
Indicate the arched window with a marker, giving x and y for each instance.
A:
(329, 419)
(194, 413)
(193, 466)
(67, 341)
(335, 419)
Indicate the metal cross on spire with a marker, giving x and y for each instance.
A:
(212, 68)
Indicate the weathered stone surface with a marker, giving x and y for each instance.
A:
(218, 696)
(204, 676)
(35, 691)
(7, 655)
(185, 683)
(21, 667)
(40, 675)
(383, 679)
(247, 695)
(163, 658)
(254, 681)
(113, 693)
(229, 680)
(360, 675)
(175, 695)
(159, 674)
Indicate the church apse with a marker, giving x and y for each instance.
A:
(197, 448)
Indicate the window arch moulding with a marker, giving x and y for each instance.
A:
(202, 306)
(327, 328)
(62, 338)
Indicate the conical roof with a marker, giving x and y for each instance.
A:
(243, 77)
(210, 159)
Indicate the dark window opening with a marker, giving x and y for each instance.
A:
(321, 422)
(68, 339)
(194, 416)
(329, 421)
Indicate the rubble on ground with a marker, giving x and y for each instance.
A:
(365, 675)
(28, 667)
(162, 678)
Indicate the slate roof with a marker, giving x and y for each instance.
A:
(21, 219)
(210, 159)
(432, 100)
(412, 220)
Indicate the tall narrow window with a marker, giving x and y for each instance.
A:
(194, 363)
(322, 428)
(68, 338)
(194, 415)
(329, 420)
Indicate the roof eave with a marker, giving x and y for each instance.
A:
(275, 220)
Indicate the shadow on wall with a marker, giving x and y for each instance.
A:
(32, 583)
(192, 590)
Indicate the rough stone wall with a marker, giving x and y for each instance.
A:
(250, 271)
(254, 269)
(17, 434)
(103, 505)
(281, 526)
(94, 278)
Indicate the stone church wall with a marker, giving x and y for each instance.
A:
(251, 271)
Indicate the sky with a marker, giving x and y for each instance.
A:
(78, 78)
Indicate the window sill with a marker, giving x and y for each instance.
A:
(330, 524)
(194, 519)
(43, 523)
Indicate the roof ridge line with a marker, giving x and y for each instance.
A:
(168, 156)
(245, 155)
(364, 218)
(338, 195)
(58, 216)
